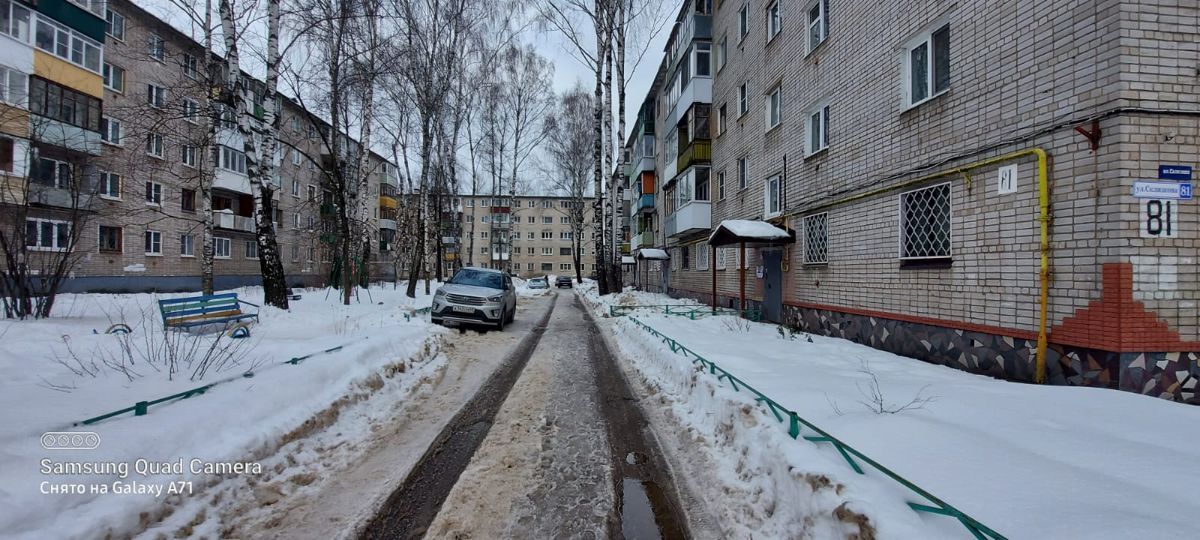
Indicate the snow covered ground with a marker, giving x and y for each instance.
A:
(56, 372)
(1029, 461)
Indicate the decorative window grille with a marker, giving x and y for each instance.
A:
(816, 239)
(925, 223)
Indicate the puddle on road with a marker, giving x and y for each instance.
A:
(637, 515)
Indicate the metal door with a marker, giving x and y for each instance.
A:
(772, 261)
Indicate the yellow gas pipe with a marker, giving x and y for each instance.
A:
(1043, 176)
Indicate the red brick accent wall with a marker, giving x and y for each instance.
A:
(1117, 322)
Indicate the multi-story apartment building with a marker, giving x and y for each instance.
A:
(950, 172)
(50, 104)
(529, 236)
(153, 143)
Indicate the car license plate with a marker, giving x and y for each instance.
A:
(463, 309)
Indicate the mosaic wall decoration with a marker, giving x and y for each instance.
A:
(1170, 375)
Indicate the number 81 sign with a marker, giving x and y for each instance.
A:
(1159, 218)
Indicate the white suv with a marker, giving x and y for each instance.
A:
(476, 296)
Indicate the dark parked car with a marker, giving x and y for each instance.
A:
(563, 282)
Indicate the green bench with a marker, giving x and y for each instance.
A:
(204, 309)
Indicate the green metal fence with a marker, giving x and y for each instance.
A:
(691, 311)
(142, 407)
(799, 427)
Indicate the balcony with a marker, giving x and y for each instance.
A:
(700, 151)
(693, 217)
(645, 203)
(698, 90)
(226, 219)
(389, 224)
(643, 239)
(231, 181)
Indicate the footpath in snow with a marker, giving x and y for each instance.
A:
(1028, 461)
(56, 372)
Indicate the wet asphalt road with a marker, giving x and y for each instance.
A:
(596, 472)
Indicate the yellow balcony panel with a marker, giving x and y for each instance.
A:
(387, 202)
(14, 121)
(67, 74)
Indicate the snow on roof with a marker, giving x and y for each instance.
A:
(651, 253)
(628, 260)
(744, 230)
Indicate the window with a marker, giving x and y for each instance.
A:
(722, 51)
(310, 256)
(221, 248)
(295, 220)
(547, 267)
(60, 103)
(251, 249)
(115, 24)
(156, 95)
(312, 192)
(189, 66)
(743, 21)
(774, 21)
(925, 223)
(564, 251)
(721, 186)
(114, 77)
(530, 235)
(772, 195)
(109, 239)
(565, 267)
(295, 157)
(774, 108)
(53, 173)
(743, 100)
(566, 235)
(154, 193)
(12, 84)
(230, 159)
(187, 245)
(547, 204)
(110, 185)
(720, 258)
(743, 171)
(295, 253)
(721, 119)
(816, 238)
(701, 179)
(703, 61)
(187, 200)
(818, 129)
(67, 44)
(153, 243)
(818, 27)
(191, 110)
(483, 234)
(702, 257)
(547, 251)
(47, 235)
(110, 130)
(927, 63)
(296, 188)
(154, 144)
(312, 222)
(15, 22)
(547, 235)
(685, 257)
(156, 47)
(7, 154)
(483, 250)
(547, 219)
(190, 155)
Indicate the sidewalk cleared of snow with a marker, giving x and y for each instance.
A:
(231, 422)
(1029, 461)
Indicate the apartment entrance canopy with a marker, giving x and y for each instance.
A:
(752, 233)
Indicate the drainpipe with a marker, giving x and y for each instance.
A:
(712, 266)
(742, 275)
(1044, 218)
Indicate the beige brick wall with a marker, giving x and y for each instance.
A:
(528, 257)
(1023, 74)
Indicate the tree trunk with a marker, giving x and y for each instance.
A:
(598, 157)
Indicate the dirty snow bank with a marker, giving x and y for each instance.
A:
(240, 420)
(1026, 460)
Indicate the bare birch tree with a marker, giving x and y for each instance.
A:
(570, 163)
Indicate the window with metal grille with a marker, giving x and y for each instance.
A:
(925, 223)
(816, 239)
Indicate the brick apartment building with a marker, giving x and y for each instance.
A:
(149, 148)
(902, 144)
(530, 236)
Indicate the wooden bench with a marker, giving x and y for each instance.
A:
(203, 309)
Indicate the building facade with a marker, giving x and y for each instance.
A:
(151, 144)
(530, 236)
(950, 170)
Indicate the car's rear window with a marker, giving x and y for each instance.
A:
(478, 278)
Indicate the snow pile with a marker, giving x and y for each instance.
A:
(1026, 460)
(53, 373)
